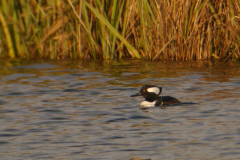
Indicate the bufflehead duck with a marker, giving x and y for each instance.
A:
(151, 94)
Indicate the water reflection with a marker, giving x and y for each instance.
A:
(82, 110)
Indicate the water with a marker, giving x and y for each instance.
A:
(83, 110)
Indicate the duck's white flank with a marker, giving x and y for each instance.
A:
(147, 104)
(154, 89)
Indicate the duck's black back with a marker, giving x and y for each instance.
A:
(166, 100)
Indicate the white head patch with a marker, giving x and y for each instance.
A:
(154, 90)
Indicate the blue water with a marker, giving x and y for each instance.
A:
(83, 110)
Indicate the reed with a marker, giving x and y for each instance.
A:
(104, 29)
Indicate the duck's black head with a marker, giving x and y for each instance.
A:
(149, 92)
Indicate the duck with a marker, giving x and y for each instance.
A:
(152, 99)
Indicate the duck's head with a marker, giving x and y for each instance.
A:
(149, 92)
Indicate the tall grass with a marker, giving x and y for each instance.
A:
(110, 29)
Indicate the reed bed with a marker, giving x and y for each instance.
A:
(113, 29)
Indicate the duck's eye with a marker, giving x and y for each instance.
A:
(144, 90)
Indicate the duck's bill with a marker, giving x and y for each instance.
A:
(137, 94)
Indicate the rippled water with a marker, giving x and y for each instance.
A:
(82, 110)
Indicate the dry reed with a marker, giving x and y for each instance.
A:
(103, 29)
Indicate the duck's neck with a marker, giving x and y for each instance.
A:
(150, 97)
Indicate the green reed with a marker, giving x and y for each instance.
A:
(104, 29)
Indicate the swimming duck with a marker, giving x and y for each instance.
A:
(151, 94)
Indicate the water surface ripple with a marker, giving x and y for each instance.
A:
(82, 110)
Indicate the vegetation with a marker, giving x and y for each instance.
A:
(111, 29)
